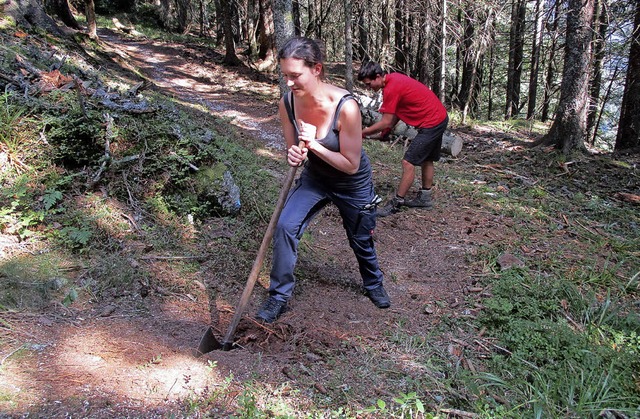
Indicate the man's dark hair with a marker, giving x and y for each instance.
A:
(370, 71)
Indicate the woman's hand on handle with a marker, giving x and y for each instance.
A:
(297, 154)
(306, 133)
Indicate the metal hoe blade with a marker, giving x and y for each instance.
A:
(208, 343)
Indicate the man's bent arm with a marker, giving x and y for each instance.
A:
(388, 121)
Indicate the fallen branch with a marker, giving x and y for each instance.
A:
(628, 197)
(269, 330)
(106, 160)
(185, 161)
(460, 413)
(6, 78)
(171, 257)
(27, 66)
(10, 354)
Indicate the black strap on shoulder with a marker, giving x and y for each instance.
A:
(288, 104)
(343, 99)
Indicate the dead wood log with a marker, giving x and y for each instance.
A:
(451, 144)
(26, 65)
(106, 160)
(628, 197)
(131, 30)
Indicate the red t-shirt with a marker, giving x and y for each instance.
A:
(411, 101)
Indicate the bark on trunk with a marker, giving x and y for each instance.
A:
(629, 126)
(61, 9)
(600, 22)
(230, 57)
(30, 14)
(516, 54)
(283, 29)
(90, 13)
(266, 36)
(569, 128)
(535, 61)
(551, 67)
(348, 47)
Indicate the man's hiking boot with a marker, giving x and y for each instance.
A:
(392, 207)
(422, 199)
(271, 309)
(379, 297)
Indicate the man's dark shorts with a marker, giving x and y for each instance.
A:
(426, 145)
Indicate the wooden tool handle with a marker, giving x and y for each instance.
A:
(257, 263)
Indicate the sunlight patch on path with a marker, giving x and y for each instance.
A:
(134, 366)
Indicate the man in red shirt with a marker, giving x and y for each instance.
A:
(406, 99)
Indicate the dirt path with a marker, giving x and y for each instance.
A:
(136, 359)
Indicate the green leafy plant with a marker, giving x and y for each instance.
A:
(74, 237)
(405, 406)
(248, 406)
(50, 198)
(71, 296)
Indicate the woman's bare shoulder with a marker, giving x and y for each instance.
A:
(336, 92)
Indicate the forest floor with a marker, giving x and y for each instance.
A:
(133, 356)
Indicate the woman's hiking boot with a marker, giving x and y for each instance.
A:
(271, 309)
(379, 297)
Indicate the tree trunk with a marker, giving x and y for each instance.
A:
(363, 34)
(516, 54)
(348, 46)
(295, 10)
(451, 144)
(219, 21)
(399, 28)
(283, 28)
(61, 9)
(424, 63)
(230, 57)
(90, 13)
(266, 32)
(311, 23)
(201, 11)
(492, 65)
(629, 125)
(600, 25)
(551, 66)
(535, 61)
(385, 38)
(570, 124)
(31, 14)
(443, 53)
(455, 85)
(468, 65)
(183, 8)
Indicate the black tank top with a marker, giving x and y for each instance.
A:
(321, 170)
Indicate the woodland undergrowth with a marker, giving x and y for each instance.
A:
(80, 181)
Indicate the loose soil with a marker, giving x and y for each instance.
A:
(132, 354)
